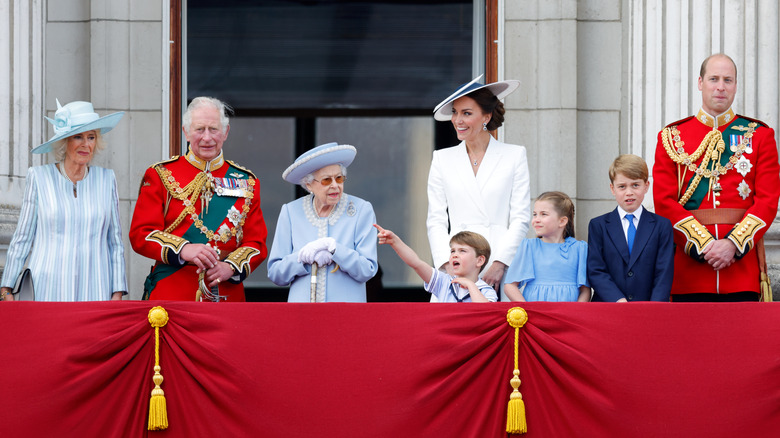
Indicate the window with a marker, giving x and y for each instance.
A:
(367, 73)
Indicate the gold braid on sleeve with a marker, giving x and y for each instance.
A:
(743, 233)
(239, 259)
(697, 234)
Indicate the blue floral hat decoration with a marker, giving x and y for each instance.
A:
(75, 118)
(501, 89)
(317, 158)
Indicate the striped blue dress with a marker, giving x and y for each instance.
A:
(74, 244)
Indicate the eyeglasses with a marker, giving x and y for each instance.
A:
(329, 179)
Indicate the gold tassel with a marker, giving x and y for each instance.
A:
(766, 289)
(515, 411)
(158, 414)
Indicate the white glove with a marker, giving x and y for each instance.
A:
(323, 257)
(328, 243)
(307, 253)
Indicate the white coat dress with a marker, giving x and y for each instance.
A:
(495, 202)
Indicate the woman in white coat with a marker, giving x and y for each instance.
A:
(480, 185)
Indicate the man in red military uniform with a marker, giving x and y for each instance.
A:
(199, 216)
(716, 177)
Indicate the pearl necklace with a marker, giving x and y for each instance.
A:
(61, 167)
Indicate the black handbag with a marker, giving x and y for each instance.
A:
(23, 289)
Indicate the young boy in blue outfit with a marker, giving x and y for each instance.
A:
(630, 250)
(468, 253)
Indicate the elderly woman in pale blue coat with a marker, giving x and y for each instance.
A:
(327, 228)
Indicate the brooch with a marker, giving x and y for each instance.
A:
(351, 210)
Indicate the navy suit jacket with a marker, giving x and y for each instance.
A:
(646, 274)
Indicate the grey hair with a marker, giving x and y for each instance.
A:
(202, 101)
(308, 179)
(60, 147)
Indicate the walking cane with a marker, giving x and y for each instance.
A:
(313, 295)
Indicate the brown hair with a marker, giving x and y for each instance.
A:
(703, 69)
(564, 206)
(631, 166)
(474, 240)
(489, 104)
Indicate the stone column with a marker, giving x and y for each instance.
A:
(540, 50)
(21, 105)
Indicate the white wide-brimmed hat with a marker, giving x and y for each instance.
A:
(501, 89)
(75, 118)
(317, 158)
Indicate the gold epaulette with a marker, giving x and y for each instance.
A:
(742, 234)
(169, 242)
(697, 234)
(240, 258)
(679, 122)
(750, 119)
(169, 160)
(242, 168)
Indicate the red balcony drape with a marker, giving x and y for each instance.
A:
(391, 370)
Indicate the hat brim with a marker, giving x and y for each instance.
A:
(501, 89)
(103, 124)
(317, 158)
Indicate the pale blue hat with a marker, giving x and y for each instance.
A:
(501, 89)
(75, 118)
(317, 158)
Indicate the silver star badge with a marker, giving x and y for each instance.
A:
(743, 166)
(743, 189)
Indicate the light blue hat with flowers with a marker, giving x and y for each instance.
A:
(501, 89)
(317, 158)
(75, 118)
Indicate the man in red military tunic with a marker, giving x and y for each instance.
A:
(716, 177)
(199, 216)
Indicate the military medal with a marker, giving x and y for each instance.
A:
(743, 166)
(743, 189)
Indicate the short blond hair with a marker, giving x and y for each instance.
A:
(61, 146)
(629, 165)
(474, 240)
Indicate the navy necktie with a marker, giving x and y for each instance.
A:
(631, 232)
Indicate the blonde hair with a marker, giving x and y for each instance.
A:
(60, 147)
(474, 240)
(631, 166)
(564, 206)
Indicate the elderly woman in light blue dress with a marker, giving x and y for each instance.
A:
(69, 232)
(327, 227)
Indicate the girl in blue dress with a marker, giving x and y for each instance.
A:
(552, 267)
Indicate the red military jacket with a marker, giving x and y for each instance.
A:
(746, 177)
(172, 210)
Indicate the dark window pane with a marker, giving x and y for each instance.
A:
(288, 54)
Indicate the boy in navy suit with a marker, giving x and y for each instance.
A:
(630, 250)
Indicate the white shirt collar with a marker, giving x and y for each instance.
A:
(637, 214)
